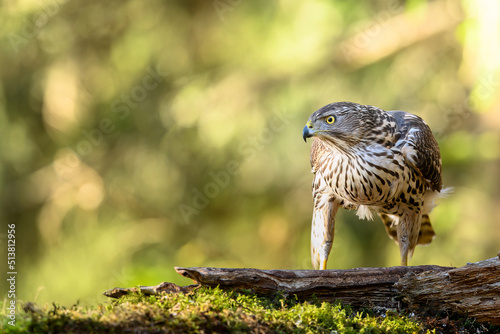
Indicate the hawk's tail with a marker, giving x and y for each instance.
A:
(425, 235)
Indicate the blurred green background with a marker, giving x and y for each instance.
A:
(138, 136)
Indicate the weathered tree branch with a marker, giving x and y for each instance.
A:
(369, 287)
(472, 290)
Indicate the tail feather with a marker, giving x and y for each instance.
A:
(426, 233)
(425, 236)
(390, 226)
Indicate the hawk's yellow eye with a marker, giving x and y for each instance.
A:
(330, 119)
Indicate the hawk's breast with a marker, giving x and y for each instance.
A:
(372, 176)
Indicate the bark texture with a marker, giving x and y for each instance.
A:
(472, 290)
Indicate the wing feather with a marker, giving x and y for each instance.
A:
(418, 145)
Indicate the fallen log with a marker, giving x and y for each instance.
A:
(370, 287)
(472, 290)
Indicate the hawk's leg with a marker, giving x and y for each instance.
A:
(323, 223)
(408, 228)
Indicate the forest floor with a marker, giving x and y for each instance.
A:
(207, 310)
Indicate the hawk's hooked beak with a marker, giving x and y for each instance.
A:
(308, 131)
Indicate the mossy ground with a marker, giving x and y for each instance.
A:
(215, 311)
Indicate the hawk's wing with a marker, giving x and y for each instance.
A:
(419, 146)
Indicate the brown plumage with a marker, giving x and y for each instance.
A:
(365, 158)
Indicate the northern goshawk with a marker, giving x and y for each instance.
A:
(365, 158)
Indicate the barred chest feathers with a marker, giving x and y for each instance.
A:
(367, 178)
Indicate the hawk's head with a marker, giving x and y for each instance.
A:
(343, 123)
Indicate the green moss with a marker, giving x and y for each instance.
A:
(208, 310)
